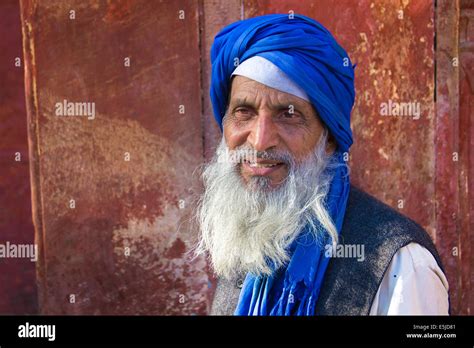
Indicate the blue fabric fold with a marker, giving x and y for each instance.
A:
(308, 53)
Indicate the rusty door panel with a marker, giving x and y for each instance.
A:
(112, 189)
(112, 196)
(466, 144)
(17, 275)
(454, 148)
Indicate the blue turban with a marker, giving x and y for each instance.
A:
(310, 56)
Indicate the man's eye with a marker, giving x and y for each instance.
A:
(242, 111)
(289, 115)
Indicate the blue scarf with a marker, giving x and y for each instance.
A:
(308, 53)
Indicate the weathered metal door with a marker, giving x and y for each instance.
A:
(113, 181)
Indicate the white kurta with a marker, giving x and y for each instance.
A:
(413, 285)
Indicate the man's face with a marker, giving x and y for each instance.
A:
(268, 119)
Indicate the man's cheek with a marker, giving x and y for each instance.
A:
(280, 175)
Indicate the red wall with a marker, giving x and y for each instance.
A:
(139, 203)
(17, 275)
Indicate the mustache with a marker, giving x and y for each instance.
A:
(283, 156)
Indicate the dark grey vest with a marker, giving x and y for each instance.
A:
(350, 285)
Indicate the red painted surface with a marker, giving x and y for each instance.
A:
(17, 275)
(466, 110)
(143, 204)
(447, 135)
(454, 149)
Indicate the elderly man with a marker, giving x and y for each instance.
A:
(285, 231)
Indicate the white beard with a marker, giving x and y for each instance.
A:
(244, 226)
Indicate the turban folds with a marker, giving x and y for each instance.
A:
(309, 55)
(304, 50)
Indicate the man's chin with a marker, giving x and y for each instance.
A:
(261, 182)
(267, 181)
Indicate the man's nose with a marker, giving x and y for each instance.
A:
(264, 133)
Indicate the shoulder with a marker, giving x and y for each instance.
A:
(414, 260)
(379, 231)
(375, 224)
(412, 284)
